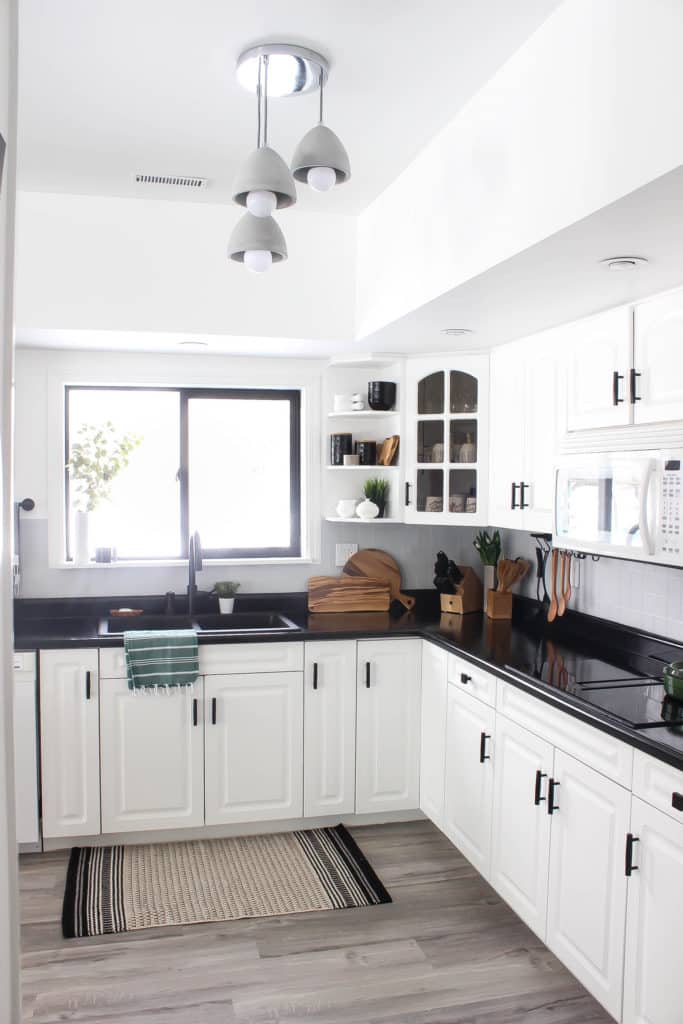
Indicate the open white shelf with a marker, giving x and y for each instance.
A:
(346, 468)
(368, 414)
(359, 521)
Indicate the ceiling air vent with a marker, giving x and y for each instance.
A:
(179, 180)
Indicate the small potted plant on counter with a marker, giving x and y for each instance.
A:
(488, 547)
(225, 591)
(376, 490)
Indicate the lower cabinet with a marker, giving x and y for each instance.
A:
(330, 727)
(652, 982)
(433, 732)
(388, 725)
(469, 777)
(521, 824)
(587, 884)
(70, 742)
(152, 757)
(254, 746)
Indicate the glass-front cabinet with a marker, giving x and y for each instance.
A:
(447, 440)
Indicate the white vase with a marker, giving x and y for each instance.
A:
(226, 605)
(367, 510)
(489, 582)
(81, 545)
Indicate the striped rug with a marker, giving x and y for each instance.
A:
(126, 888)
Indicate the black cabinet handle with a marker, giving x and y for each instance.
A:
(483, 756)
(616, 377)
(315, 675)
(522, 489)
(407, 492)
(214, 702)
(552, 786)
(513, 495)
(633, 378)
(367, 674)
(464, 678)
(629, 866)
(538, 799)
(195, 711)
(677, 801)
(88, 676)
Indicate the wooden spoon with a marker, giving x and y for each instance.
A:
(552, 610)
(562, 604)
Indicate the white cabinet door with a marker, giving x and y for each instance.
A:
(152, 757)
(254, 746)
(26, 749)
(521, 826)
(433, 726)
(469, 777)
(597, 348)
(658, 358)
(652, 979)
(330, 727)
(544, 411)
(70, 742)
(388, 725)
(508, 411)
(587, 885)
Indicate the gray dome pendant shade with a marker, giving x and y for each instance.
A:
(264, 170)
(320, 147)
(256, 234)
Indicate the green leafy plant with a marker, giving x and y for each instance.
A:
(376, 489)
(488, 547)
(225, 588)
(97, 457)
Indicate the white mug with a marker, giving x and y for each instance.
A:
(346, 508)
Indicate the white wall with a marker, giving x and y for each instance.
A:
(100, 262)
(9, 934)
(580, 116)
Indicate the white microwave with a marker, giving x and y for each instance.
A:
(621, 504)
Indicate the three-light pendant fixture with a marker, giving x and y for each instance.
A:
(264, 182)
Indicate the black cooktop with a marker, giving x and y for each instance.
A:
(636, 699)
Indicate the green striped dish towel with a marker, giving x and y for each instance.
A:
(165, 657)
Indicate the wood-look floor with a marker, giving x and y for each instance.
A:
(446, 951)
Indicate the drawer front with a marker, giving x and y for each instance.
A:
(112, 663)
(476, 681)
(598, 749)
(24, 661)
(658, 784)
(226, 659)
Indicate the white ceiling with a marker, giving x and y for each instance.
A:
(554, 282)
(108, 88)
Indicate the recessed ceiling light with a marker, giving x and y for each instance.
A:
(623, 262)
(193, 344)
(456, 332)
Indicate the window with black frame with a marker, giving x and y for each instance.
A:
(150, 465)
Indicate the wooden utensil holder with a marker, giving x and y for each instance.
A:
(499, 604)
(469, 595)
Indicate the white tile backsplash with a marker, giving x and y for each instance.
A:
(648, 597)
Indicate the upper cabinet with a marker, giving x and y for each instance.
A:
(526, 413)
(658, 360)
(446, 451)
(599, 354)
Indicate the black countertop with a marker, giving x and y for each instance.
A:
(508, 648)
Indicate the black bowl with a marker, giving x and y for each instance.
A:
(381, 395)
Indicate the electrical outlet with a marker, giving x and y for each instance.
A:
(342, 553)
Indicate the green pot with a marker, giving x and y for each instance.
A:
(673, 680)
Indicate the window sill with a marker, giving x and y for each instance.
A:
(182, 562)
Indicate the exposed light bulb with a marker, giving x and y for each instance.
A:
(261, 202)
(321, 179)
(258, 260)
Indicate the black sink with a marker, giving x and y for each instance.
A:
(236, 622)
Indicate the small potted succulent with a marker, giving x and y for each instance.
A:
(376, 490)
(225, 591)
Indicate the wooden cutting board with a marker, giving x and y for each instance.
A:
(372, 563)
(348, 594)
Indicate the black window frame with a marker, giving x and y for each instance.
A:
(291, 395)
